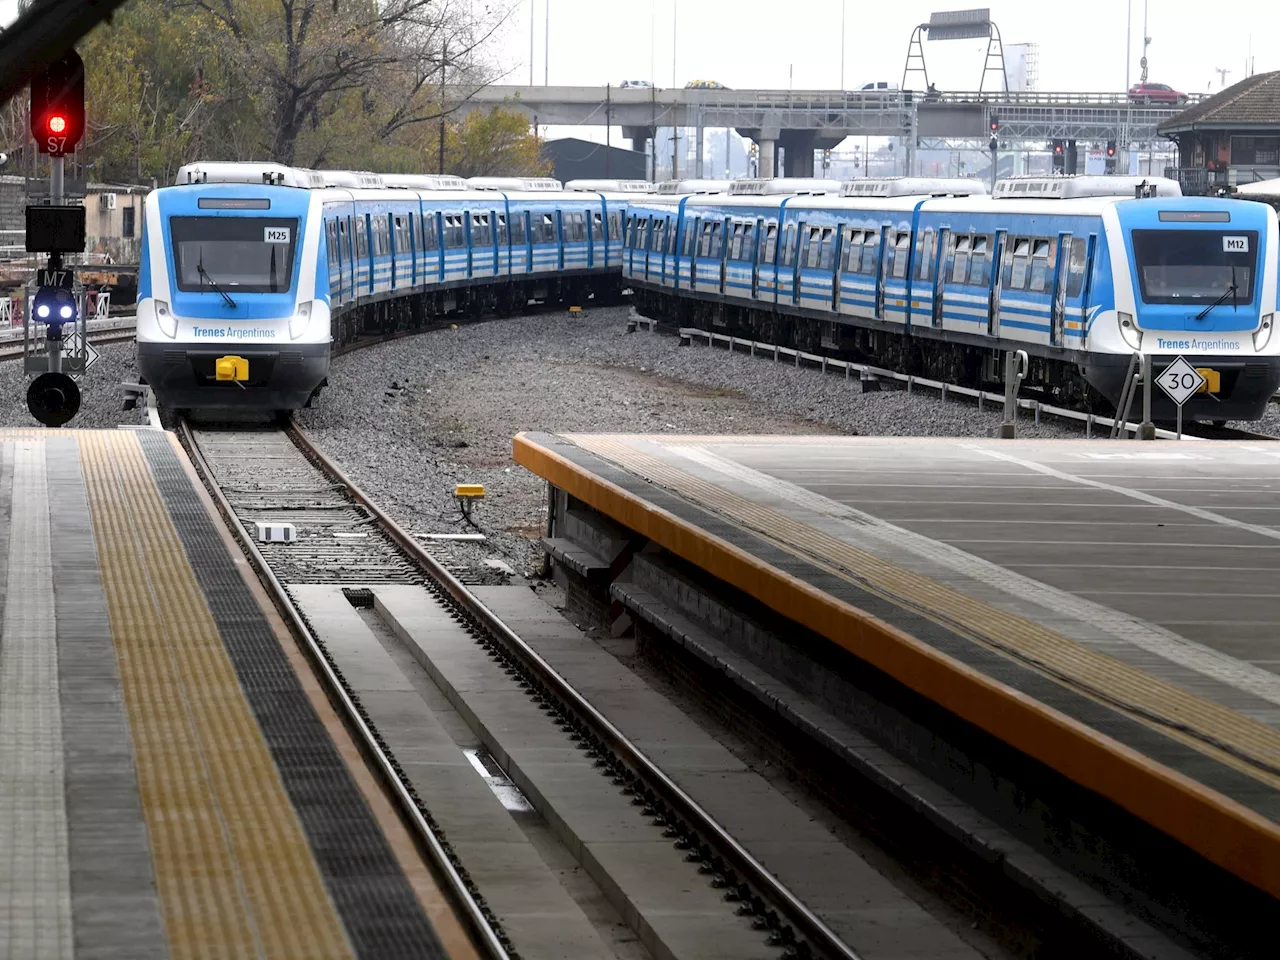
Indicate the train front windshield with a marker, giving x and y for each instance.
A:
(1195, 266)
(244, 254)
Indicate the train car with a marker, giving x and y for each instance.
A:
(250, 272)
(1079, 272)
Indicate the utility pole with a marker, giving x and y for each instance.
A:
(608, 121)
(675, 24)
(844, 9)
(1128, 40)
(1146, 40)
(532, 23)
(546, 46)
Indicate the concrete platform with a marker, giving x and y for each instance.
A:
(1106, 609)
(170, 785)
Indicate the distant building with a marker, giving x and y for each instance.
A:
(1231, 138)
(1022, 66)
(573, 159)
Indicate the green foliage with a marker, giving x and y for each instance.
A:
(497, 143)
(347, 84)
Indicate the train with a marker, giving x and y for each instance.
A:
(938, 277)
(251, 273)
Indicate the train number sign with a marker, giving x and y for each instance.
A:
(1180, 380)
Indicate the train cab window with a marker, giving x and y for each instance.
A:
(901, 254)
(502, 229)
(928, 252)
(615, 228)
(1041, 265)
(597, 227)
(1076, 266)
(960, 265)
(1017, 266)
(980, 262)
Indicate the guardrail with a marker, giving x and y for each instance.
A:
(1090, 420)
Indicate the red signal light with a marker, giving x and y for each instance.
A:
(57, 123)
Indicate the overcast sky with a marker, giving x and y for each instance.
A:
(751, 43)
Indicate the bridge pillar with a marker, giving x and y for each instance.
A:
(798, 145)
(701, 134)
(767, 150)
(639, 137)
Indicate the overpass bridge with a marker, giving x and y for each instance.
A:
(801, 121)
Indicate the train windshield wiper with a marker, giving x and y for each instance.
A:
(204, 275)
(1229, 292)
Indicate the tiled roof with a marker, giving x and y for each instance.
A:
(1252, 102)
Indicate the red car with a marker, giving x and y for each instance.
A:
(1155, 93)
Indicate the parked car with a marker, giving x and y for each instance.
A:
(705, 85)
(634, 84)
(1155, 93)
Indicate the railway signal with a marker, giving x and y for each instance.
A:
(57, 106)
(1059, 155)
(1111, 148)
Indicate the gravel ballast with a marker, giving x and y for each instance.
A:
(101, 397)
(410, 419)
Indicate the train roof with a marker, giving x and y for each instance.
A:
(609, 186)
(1260, 189)
(518, 184)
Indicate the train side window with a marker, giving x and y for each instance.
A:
(901, 254)
(1075, 278)
(580, 227)
(814, 248)
(924, 268)
(502, 229)
(704, 244)
(960, 267)
(826, 255)
(1019, 264)
(548, 228)
(331, 238)
(655, 236)
(980, 262)
(362, 240)
(770, 243)
(735, 243)
(615, 229)
(517, 228)
(788, 249)
(748, 240)
(871, 252)
(1041, 253)
(597, 227)
(852, 251)
(429, 232)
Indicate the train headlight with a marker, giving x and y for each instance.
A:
(299, 322)
(1262, 335)
(165, 319)
(1132, 335)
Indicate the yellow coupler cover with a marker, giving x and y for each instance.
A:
(231, 368)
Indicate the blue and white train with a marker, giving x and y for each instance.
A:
(250, 272)
(1078, 272)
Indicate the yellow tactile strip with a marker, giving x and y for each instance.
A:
(1219, 828)
(984, 622)
(235, 874)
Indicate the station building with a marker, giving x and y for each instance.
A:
(1230, 139)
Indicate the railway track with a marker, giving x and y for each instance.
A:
(343, 537)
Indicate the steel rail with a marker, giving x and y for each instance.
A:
(806, 923)
(478, 925)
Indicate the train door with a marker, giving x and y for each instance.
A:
(1058, 309)
(648, 234)
(998, 255)
(799, 251)
(1086, 286)
(727, 229)
(882, 266)
(941, 260)
(412, 235)
(393, 247)
(348, 261)
(366, 228)
(757, 244)
(560, 238)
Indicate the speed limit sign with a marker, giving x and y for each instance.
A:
(1180, 380)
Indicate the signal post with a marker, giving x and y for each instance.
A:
(55, 341)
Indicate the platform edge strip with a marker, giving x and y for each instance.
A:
(1215, 826)
(153, 596)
